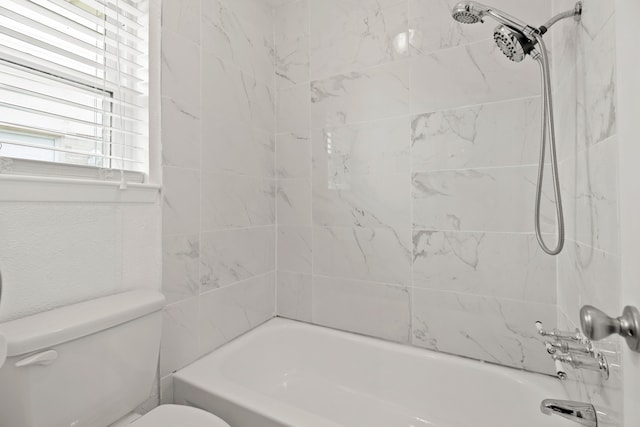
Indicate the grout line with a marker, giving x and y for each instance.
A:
(198, 331)
(411, 203)
(410, 57)
(275, 160)
(310, 157)
(239, 282)
(412, 114)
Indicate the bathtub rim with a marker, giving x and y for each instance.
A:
(242, 397)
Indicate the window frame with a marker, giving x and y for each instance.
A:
(71, 184)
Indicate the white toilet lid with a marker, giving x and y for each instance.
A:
(178, 416)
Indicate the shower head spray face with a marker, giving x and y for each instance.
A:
(467, 12)
(513, 44)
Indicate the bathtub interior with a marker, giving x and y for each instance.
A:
(300, 374)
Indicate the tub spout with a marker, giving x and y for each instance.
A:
(578, 412)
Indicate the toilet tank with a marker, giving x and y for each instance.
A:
(83, 365)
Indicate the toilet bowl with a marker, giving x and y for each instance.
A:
(178, 416)
(89, 365)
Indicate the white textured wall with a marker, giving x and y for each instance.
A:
(53, 254)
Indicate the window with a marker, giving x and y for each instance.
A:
(74, 88)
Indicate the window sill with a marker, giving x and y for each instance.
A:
(18, 188)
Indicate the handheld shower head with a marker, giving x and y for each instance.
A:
(472, 12)
(513, 44)
(467, 12)
(514, 38)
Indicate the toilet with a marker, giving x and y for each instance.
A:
(89, 365)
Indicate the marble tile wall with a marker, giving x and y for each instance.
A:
(219, 201)
(589, 268)
(406, 152)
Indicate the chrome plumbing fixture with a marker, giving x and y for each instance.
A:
(598, 325)
(516, 40)
(582, 413)
(573, 348)
(597, 362)
(566, 347)
(575, 336)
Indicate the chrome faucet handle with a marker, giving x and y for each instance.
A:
(578, 412)
(575, 336)
(598, 325)
(596, 362)
(569, 347)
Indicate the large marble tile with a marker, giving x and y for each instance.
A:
(294, 296)
(229, 312)
(181, 136)
(181, 201)
(292, 62)
(237, 40)
(233, 201)
(382, 311)
(257, 13)
(294, 249)
(563, 45)
(237, 148)
(438, 30)
(293, 157)
(231, 256)
(588, 276)
(180, 343)
(361, 200)
(293, 202)
(596, 15)
(229, 95)
(469, 75)
(491, 264)
(180, 266)
(597, 83)
(590, 190)
(372, 254)
(499, 199)
(486, 328)
(566, 119)
(371, 94)
(291, 21)
(181, 72)
(352, 35)
(292, 113)
(488, 135)
(182, 17)
(380, 147)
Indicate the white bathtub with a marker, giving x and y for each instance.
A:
(290, 374)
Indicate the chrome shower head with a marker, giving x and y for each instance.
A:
(471, 12)
(513, 44)
(467, 12)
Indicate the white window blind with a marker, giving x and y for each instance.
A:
(74, 88)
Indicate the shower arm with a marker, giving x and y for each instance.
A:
(511, 22)
(575, 13)
(528, 30)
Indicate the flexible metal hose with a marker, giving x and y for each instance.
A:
(548, 130)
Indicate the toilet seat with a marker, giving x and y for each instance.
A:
(178, 416)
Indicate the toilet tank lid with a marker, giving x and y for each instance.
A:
(43, 330)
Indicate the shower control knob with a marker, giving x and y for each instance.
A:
(597, 325)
